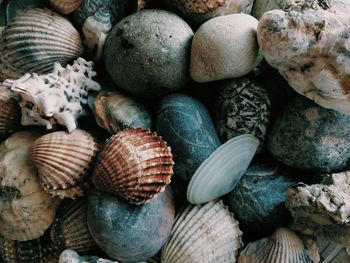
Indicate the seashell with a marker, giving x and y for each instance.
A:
(330, 252)
(127, 232)
(57, 97)
(65, 6)
(283, 246)
(70, 230)
(135, 164)
(96, 29)
(13, 8)
(26, 210)
(64, 161)
(222, 170)
(10, 112)
(50, 252)
(203, 233)
(116, 111)
(70, 256)
(38, 38)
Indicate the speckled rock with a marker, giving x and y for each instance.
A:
(147, 53)
(128, 232)
(186, 125)
(242, 107)
(310, 137)
(252, 202)
(224, 47)
(197, 12)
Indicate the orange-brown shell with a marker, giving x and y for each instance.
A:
(135, 164)
(10, 112)
(64, 161)
(198, 7)
(65, 6)
(70, 230)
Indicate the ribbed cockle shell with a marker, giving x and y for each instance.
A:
(65, 6)
(34, 41)
(10, 112)
(135, 164)
(64, 161)
(283, 246)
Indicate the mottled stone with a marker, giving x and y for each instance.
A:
(309, 44)
(258, 210)
(242, 107)
(130, 232)
(224, 47)
(147, 53)
(186, 125)
(310, 137)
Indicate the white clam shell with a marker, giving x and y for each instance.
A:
(220, 173)
(203, 233)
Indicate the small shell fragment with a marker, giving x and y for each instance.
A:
(10, 112)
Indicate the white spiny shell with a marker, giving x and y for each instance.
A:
(282, 247)
(203, 233)
(70, 256)
(65, 6)
(34, 41)
(57, 97)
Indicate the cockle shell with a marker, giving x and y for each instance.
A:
(96, 29)
(283, 246)
(10, 112)
(70, 256)
(70, 230)
(26, 210)
(65, 6)
(64, 161)
(34, 41)
(203, 233)
(116, 111)
(135, 164)
(57, 97)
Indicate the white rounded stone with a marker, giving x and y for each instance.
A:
(225, 47)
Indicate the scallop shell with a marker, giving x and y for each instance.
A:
(26, 210)
(65, 6)
(70, 230)
(203, 233)
(135, 164)
(64, 160)
(34, 40)
(283, 246)
(10, 112)
(331, 252)
(221, 171)
(116, 111)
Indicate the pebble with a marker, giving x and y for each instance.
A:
(225, 47)
(147, 53)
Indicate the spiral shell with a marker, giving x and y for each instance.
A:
(34, 41)
(203, 233)
(135, 164)
(65, 6)
(64, 160)
(283, 246)
(10, 112)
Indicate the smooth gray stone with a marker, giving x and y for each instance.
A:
(307, 136)
(128, 232)
(186, 125)
(147, 53)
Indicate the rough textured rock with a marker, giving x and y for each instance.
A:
(224, 47)
(197, 12)
(128, 232)
(323, 210)
(307, 136)
(242, 107)
(147, 53)
(186, 125)
(309, 45)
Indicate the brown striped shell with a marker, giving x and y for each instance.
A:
(70, 230)
(283, 246)
(65, 6)
(34, 41)
(10, 112)
(135, 164)
(64, 161)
